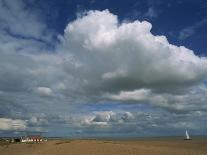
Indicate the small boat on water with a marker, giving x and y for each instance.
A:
(187, 136)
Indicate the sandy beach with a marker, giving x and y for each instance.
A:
(109, 147)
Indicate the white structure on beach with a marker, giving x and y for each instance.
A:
(187, 135)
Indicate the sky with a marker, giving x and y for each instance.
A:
(103, 68)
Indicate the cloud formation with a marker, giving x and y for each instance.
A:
(106, 119)
(122, 123)
(127, 57)
(193, 100)
(12, 124)
(98, 60)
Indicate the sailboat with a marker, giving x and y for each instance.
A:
(187, 136)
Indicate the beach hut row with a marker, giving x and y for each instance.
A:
(28, 139)
(32, 138)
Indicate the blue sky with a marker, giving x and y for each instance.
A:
(103, 68)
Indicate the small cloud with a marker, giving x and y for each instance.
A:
(37, 121)
(183, 125)
(127, 116)
(103, 116)
(44, 91)
(89, 122)
(186, 33)
(137, 95)
(151, 12)
(100, 119)
(12, 124)
(115, 74)
(61, 86)
(191, 30)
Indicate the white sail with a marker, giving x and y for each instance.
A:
(187, 135)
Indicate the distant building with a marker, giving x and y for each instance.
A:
(14, 140)
(32, 138)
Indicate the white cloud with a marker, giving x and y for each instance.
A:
(137, 95)
(115, 56)
(191, 30)
(44, 91)
(106, 118)
(103, 116)
(12, 124)
(37, 121)
(194, 99)
(100, 119)
(18, 20)
(127, 116)
(151, 12)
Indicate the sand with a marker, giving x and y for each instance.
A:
(109, 147)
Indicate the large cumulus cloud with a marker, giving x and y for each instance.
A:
(106, 57)
(112, 56)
